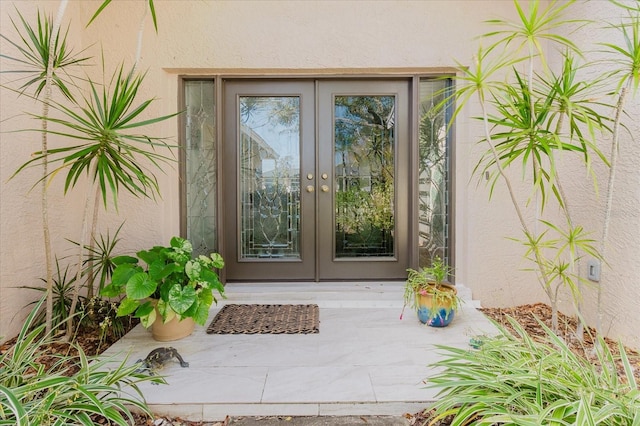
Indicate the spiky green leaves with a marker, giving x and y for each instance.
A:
(106, 3)
(33, 395)
(34, 47)
(515, 380)
(109, 150)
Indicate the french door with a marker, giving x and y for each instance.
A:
(316, 179)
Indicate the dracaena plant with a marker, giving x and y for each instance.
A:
(167, 281)
(532, 113)
(45, 61)
(109, 149)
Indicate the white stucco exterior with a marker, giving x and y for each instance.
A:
(303, 38)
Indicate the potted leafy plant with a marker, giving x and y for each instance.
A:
(427, 291)
(173, 288)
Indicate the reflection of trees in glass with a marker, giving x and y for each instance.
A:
(432, 173)
(277, 111)
(269, 176)
(364, 163)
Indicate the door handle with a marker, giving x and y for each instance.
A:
(310, 188)
(324, 188)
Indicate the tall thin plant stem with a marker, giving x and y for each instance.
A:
(609, 202)
(45, 169)
(76, 283)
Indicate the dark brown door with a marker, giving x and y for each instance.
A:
(316, 180)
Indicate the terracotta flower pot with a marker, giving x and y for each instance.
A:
(172, 330)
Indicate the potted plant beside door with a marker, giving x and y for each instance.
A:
(426, 290)
(172, 293)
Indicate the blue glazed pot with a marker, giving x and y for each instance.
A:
(434, 316)
(440, 319)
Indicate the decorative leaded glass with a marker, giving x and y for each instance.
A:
(432, 173)
(200, 153)
(269, 177)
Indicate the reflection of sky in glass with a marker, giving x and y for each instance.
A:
(276, 121)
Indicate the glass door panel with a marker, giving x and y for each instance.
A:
(200, 155)
(364, 172)
(316, 180)
(269, 177)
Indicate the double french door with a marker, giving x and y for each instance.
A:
(316, 179)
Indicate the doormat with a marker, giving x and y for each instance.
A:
(266, 319)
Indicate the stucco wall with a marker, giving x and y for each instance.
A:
(283, 37)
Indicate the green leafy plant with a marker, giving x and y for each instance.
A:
(100, 389)
(99, 261)
(174, 283)
(62, 293)
(108, 152)
(97, 313)
(431, 281)
(533, 113)
(513, 379)
(44, 60)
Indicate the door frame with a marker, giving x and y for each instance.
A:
(413, 75)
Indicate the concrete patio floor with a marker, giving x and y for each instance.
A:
(364, 361)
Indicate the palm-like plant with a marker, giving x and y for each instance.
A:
(626, 61)
(108, 151)
(34, 49)
(45, 58)
(534, 114)
(99, 262)
(102, 121)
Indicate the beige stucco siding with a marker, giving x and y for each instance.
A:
(291, 38)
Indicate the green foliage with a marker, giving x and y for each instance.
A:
(105, 3)
(108, 150)
(363, 208)
(62, 294)
(515, 380)
(101, 314)
(173, 282)
(99, 261)
(556, 251)
(34, 50)
(533, 114)
(431, 280)
(627, 54)
(33, 395)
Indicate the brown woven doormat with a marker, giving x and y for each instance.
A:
(266, 319)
